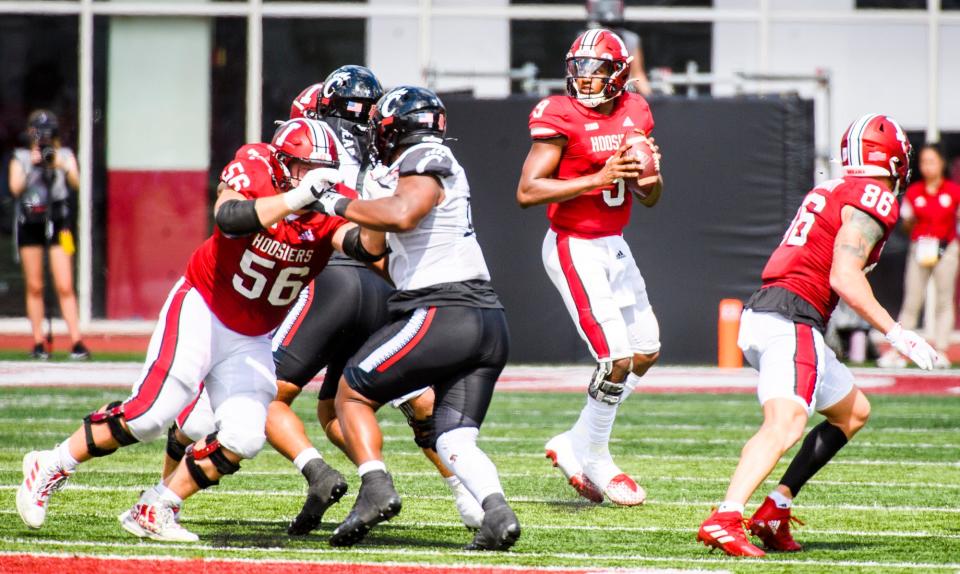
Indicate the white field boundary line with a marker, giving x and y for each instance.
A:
(562, 426)
(642, 440)
(628, 456)
(645, 478)
(514, 377)
(549, 527)
(529, 499)
(467, 554)
(372, 565)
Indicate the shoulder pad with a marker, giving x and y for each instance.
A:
(427, 159)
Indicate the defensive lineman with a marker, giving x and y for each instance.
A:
(449, 329)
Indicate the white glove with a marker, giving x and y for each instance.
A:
(311, 186)
(330, 202)
(912, 345)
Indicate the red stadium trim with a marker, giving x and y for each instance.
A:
(185, 413)
(303, 313)
(160, 368)
(413, 342)
(805, 363)
(591, 327)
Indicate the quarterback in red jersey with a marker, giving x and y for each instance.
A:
(577, 167)
(835, 238)
(215, 328)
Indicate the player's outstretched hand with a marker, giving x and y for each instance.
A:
(328, 201)
(321, 178)
(913, 346)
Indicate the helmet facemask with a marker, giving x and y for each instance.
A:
(611, 74)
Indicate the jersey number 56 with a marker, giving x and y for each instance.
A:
(285, 287)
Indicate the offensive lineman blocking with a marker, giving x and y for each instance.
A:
(237, 288)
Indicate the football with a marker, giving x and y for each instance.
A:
(639, 147)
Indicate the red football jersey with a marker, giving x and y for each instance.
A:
(935, 214)
(250, 282)
(802, 262)
(592, 138)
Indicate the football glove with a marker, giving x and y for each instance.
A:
(912, 345)
(310, 188)
(329, 202)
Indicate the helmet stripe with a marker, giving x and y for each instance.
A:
(855, 145)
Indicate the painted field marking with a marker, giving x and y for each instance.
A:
(526, 499)
(367, 550)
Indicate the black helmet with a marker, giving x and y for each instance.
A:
(407, 115)
(349, 92)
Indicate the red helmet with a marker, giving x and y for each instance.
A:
(876, 146)
(309, 141)
(598, 52)
(305, 105)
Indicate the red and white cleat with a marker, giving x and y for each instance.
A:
(624, 491)
(562, 451)
(156, 521)
(771, 524)
(42, 476)
(725, 530)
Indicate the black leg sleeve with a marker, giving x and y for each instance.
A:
(821, 445)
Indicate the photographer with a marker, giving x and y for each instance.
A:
(41, 177)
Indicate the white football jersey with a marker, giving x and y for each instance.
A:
(443, 247)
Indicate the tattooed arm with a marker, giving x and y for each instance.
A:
(855, 241)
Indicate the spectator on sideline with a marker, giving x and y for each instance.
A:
(41, 177)
(929, 212)
(609, 14)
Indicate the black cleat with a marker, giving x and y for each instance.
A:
(500, 529)
(326, 488)
(376, 502)
(39, 352)
(80, 352)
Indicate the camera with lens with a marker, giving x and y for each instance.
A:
(48, 152)
(43, 130)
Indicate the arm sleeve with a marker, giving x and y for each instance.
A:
(238, 217)
(353, 247)
(428, 160)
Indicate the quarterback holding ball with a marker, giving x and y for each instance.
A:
(581, 167)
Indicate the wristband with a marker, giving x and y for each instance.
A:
(298, 198)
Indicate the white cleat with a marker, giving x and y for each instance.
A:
(471, 513)
(156, 521)
(619, 488)
(42, 476)
(562, 450)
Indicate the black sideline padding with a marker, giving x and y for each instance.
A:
(735, 171)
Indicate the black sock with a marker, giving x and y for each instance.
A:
(821, 445)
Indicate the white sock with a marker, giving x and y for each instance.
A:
(305, 456)
(167, 496)
(370, 466)
(453, 482)
(458, 450)
(727, 506)
(780, 500)
(66, 460)
(600, 417)
(629, 385)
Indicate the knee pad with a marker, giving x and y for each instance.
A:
(175, 450)
(602, 389)
(246, 445)
(212, 450)
(423, 429)
(111, 417)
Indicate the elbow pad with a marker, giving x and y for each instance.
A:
(353, 247)
(236, 217)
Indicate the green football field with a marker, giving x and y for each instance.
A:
(889, 502)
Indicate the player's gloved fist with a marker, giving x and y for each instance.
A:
(311, 185)
(329, 202)
(912, 345)
(320, 179)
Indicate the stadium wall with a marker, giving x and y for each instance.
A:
(735, 172)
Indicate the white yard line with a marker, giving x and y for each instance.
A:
(366, 550)
(531, 499)
(557, 527)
